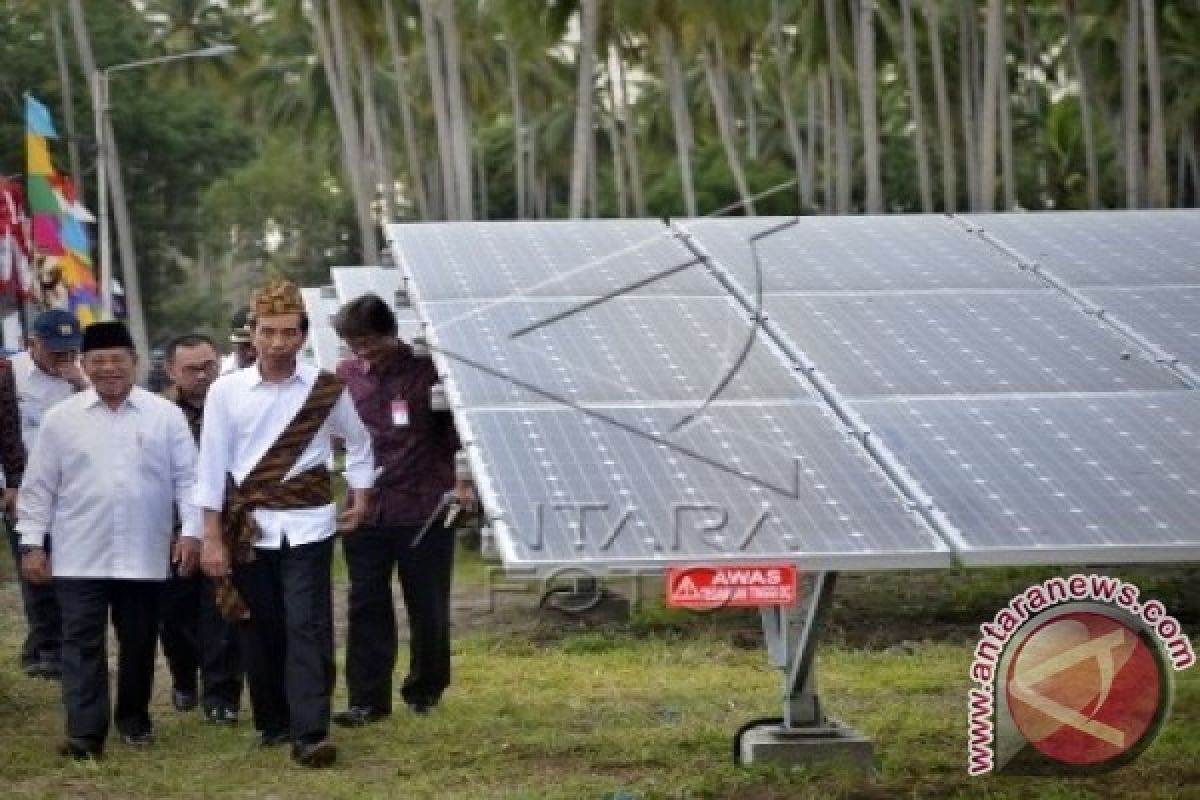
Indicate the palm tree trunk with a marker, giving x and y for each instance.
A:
(966, 83)
(1156, 179)
(1033, 101)
(1007, 165)
(481, 179)
(827, 147)
(1130, 105)
(810, 161)
(1089, 133)
(803, 182)
(945, 126)
(614, 143)
(331, 49)
(514, 94)
(68, 107)
(584, 142)
(412, 153)
(441, 110)
(752, 149)
(680, 116)
(866, 93)
(841, 125)
(628, 125)
(718, 89)
(993, 64)
(460, 123)
(924, 180)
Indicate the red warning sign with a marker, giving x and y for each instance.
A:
(747, 585)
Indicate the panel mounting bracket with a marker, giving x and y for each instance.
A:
(804, 734)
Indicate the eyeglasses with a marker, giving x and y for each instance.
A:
(207, 368)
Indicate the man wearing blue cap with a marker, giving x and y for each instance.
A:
(45, 375)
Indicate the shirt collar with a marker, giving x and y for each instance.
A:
(304, 374)
(91, 399)
(401, 356)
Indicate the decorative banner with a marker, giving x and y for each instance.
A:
(59, 239)
(16, 275)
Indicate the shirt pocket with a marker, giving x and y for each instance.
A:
(151, 451)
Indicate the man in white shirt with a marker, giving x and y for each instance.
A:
(45, 375)
(265, 442)
(100, 482)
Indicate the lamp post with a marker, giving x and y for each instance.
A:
(108, 172)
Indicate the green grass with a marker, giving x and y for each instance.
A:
(547, 707)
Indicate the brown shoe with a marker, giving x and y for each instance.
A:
(316, 755)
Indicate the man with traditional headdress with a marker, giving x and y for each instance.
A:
(270, 518)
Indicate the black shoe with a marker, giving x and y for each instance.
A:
(47, 668)
(142, 739)
(358, 716)
(221, 715)
(183, 701)
(272, 739)
(315, 755)
(80, 750)
(421, 707)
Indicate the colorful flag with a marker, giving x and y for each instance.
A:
(57, 219)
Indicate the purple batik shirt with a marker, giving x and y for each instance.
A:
(414, 445)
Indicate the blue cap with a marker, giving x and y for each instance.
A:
(58, 330)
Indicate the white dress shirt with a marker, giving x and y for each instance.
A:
(101, 484)
(37, 392)
(243, 417)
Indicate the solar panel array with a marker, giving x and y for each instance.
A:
(323, 347)
(991, 387)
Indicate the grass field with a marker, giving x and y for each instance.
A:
(546, 706)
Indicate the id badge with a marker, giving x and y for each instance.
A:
(399, 414)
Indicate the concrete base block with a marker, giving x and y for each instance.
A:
(830, 745)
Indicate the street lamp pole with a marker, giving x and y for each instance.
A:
(108, 169)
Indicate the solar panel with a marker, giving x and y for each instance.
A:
(1056, 479)
(618, 490)
(634, 350)
(1167, 316)
(1097, 248)
(563, 259)
(573, 351)
(352, 282)
(323, 348)
(857, 253)
(964, 342)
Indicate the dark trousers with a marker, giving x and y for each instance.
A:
(43, 620)
(287, 644)
(86, 606)
(196, 639)
(424, 568)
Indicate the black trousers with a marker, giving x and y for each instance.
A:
(196, 639)
(43, 620)
(287, 644)
(425, 569)
(87, 604)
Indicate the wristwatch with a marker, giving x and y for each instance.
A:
(28, 548)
